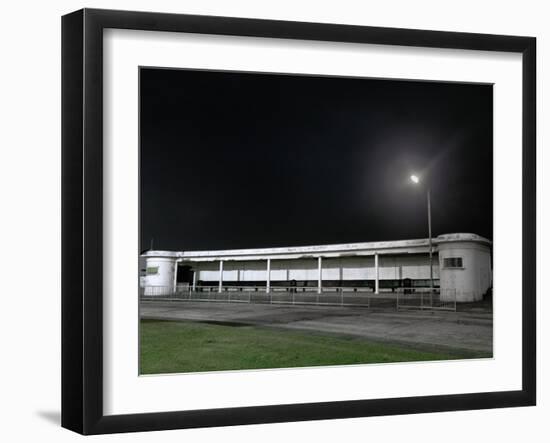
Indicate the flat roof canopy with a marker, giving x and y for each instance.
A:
(414, 246)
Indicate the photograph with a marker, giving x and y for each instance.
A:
(303, 221)
(295, 220)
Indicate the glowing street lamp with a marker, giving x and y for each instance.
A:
(416, 180)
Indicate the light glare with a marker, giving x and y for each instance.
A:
(415, 179)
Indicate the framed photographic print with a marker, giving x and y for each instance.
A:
(269, 221)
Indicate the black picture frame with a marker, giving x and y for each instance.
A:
(82, 215)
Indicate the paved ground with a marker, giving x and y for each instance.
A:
(471, 330)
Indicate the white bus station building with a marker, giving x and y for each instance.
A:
(461, 264)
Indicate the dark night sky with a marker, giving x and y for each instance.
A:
(233, 160)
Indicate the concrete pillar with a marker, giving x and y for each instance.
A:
(175, 286)
(268, 277)
(320, 278)
(221, 276)
(376, 274)
(194, 280)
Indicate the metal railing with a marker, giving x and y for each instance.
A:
(403, 298)
(426, 299)
(334, 296)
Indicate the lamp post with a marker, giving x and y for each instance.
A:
(416, 180)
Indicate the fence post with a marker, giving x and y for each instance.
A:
(455, 297)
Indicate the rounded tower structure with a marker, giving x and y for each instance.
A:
(160, 273)
(464, 267)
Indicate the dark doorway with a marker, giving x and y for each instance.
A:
(185, 274)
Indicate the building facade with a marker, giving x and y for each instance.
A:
(461, 266)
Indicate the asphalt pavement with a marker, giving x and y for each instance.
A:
(470, 331)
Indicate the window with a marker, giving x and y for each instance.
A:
(452, 262)
(153, 270)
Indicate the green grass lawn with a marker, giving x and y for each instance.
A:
(184, 346)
